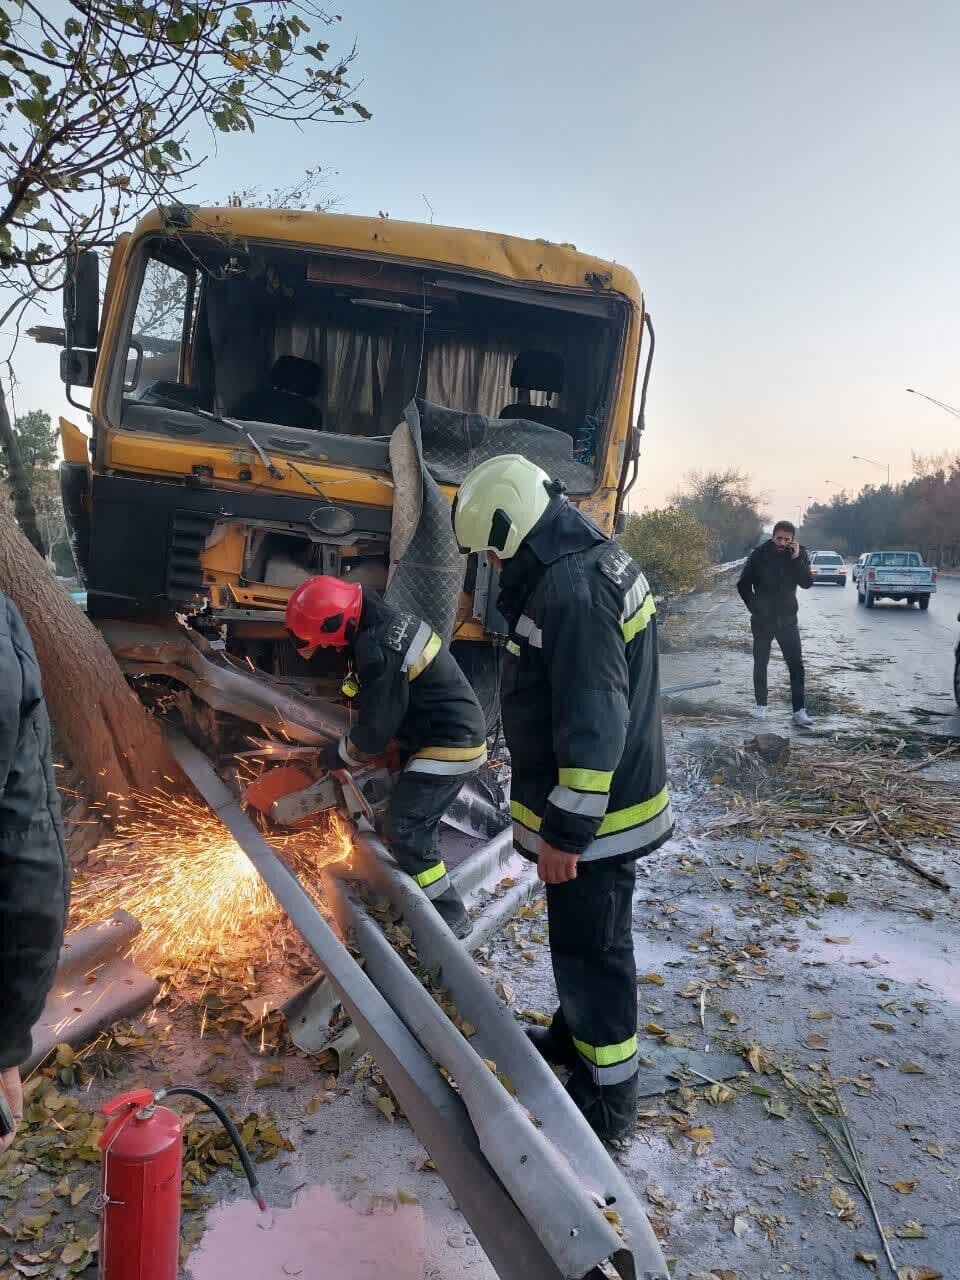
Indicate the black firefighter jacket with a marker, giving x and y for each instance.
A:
(768, 584)
(34, 879)
(580, 694)
(411, 689)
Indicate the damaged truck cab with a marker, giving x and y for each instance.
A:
(249, 372)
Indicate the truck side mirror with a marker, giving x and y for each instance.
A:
(81, 319)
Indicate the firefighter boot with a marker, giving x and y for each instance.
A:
(610, 1110)
(554, 1042)
(450, 907)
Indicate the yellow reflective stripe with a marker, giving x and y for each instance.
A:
(621, 819)
(524, 815)
(450, 753)
(639, 620)
(430, 651)
(426, 878)
(514, 648)
(586, 779)
(607, 1055)
(350, 687)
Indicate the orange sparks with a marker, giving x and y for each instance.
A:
(176, 868)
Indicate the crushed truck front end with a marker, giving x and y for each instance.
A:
(250, 368)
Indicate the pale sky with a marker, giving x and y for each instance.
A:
(782, 178)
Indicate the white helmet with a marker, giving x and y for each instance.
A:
(499, 503)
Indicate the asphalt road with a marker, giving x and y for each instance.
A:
(891, 658)
(890, 662)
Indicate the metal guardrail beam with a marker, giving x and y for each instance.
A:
(567, 1216)
(716, 569)
(483, 1143)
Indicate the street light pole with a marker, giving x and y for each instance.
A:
(857, 458)
(947, 408)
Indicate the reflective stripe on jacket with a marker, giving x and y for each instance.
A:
(409, 687)
(581, 706)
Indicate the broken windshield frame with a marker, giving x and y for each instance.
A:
(380, 332)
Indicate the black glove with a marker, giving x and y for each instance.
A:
(328, 757)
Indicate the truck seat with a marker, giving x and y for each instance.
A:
(289, 399)
(537, 371)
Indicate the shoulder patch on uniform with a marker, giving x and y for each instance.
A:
(400, 632)
(615, 564)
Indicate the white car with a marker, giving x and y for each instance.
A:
(828, 566)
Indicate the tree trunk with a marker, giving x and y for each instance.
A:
(109, 737)
(19, 480)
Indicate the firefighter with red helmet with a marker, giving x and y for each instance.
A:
(406, 686)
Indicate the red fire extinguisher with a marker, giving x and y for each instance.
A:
(140, 1183)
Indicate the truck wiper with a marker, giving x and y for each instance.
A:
(261, 453)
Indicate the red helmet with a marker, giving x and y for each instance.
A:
(322, 612)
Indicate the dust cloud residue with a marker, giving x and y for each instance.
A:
(318, 1237)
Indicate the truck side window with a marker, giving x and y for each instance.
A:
(162, 326)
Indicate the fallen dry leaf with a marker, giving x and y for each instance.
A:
(819, 1017)
(843, 1203)
(904, 1187)
(406, 1197)
(919, 1273)
(718, 1093)
(741, 1224)
(758, 1058)
(911, 1068)
(73, 1252)
(775, 1107)
(871, 1259)
(701, 1134)
(911, 1230)
(653, 979)
(536, 1017)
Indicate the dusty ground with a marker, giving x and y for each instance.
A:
(814, 961)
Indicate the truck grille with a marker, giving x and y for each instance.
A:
(187, 537)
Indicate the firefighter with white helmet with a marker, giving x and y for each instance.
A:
(581, 714)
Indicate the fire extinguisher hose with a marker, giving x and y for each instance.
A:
(189, 1092)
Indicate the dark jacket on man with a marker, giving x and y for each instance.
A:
(411, 689)
(580, 694)
(34, 876)
(768, 584)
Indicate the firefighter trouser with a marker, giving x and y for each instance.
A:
(591, 944)
(418, 802)
(787, 635)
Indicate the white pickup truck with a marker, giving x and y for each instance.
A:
(896, 575)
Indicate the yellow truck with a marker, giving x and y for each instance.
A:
(248, 371)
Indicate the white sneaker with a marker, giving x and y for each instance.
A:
(803, 718)
(759, 713)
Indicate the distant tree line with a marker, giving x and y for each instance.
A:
(922, 514)
(35, 439)
(724, 503)
(714, 517)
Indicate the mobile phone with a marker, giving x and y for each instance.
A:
(7, 1125)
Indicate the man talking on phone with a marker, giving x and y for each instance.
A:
(768, 587)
